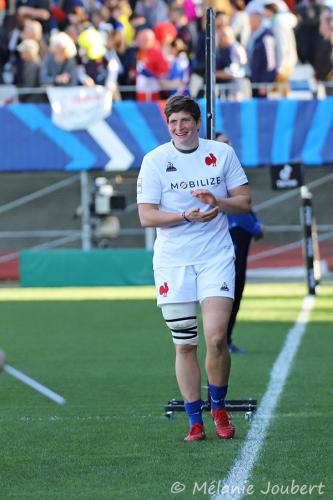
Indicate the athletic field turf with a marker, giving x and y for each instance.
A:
(108, 353)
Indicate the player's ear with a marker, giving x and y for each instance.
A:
(198, 124)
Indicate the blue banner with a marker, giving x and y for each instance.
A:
(263, 132)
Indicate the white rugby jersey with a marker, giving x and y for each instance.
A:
(166, 179)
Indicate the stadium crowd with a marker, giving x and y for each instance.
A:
(151, 49)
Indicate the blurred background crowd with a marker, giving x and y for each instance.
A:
(150, 49)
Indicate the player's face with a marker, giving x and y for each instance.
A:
(183, 130)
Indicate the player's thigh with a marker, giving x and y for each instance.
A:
(216, 278)
(216, 313)
(175, 285)
(177, 298)
(216, 286)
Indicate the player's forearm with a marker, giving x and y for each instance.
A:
(156, 218)
(239, 204)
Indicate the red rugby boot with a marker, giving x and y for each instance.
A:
(197, 433)
(223, 425)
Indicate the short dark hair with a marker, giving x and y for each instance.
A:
(178, 103)
(272, 7)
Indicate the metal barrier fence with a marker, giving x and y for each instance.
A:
(83, 236)
(305, 88)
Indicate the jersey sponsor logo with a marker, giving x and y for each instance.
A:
(171, 167)
(164, 289)
(210, 160)
(224, 287)
(210, 181)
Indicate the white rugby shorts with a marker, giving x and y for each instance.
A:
(195, 283)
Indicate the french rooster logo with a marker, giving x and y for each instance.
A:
(164, 289)
(211, 160)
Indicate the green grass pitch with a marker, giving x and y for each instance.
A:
(108, 353)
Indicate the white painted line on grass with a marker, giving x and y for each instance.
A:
(34, 384)
(235, 484)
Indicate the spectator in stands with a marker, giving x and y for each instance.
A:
(100, 62)
(58, 17)
(282, 25)
(323, 60)
(138, 22)
(198, 68)
(307, 29)
(261, 50)
(114, 64)
(178, 78)
(118, 28)
(127, 77)
(190, 9)
(151, 66)
(154, 11)
(28, 68)
(180, 21)
(91, 42)
(32, 30)
(240, 22)
(76, 14)
(39, 10)
(129, 58)
(10, 37)
(123, 13)
(222, 20)
(231, 61)
(165, 33)
(59, 67)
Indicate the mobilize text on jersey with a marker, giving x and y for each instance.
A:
(211, 181)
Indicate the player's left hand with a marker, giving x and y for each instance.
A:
(205, 196)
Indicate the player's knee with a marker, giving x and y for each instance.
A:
(217, 343)
(182, 321)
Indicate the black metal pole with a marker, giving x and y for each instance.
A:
(210, 73)
(210, 66)
(316, 251)
(307, 218)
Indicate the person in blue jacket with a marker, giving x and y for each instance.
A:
(242, 228)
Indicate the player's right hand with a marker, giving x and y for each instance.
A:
(196, 215)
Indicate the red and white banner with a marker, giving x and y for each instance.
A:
(77, 108)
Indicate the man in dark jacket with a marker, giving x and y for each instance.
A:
(261, 51)
(27, 70)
